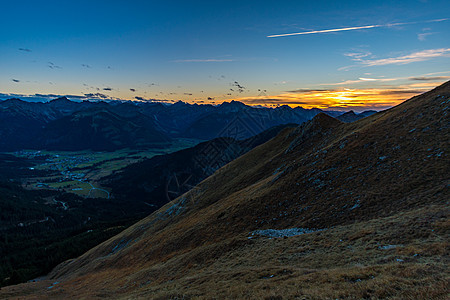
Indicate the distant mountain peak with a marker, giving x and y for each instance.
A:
(180, 103)
(325, 121)
(13, 101)
(351, 112)
(284, 107)
(63, 99)
(232, 102)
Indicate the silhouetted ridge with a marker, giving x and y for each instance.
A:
(324, 121)
(61, 100)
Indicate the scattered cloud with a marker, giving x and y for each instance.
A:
(83, 97)
(96, 96)
(54, 96)
(47, 97)
(358, 56)
(53, 66)
(24, 49)
(202, 60)
(238, 87)
(422, 36)
(107, 89)
(86, 66)
(352, 28)
(15, 80)
(133, 90)
(138, 98)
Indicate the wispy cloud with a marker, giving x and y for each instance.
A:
(362, 80)
(54, 96)
(406, 59)
(430, 78)
(368, 60)
(48, 97)
(352, 28)
(24, 49)
(202, 60)
(358, 55)
(423, 36)
(96, 96)
(424, 85)
(53, 66)
(423, 78)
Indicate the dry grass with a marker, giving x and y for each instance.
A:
(378, 186)
(344, 262)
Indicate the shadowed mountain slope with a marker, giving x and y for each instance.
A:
(350, 116)
(23, 123)
(100, 129)
(362, 208)
(162, 178)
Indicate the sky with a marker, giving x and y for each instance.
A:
(328, 54)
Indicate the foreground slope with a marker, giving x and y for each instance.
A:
(370, 197)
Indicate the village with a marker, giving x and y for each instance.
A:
(68, 172)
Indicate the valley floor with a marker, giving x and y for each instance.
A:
(79, 172)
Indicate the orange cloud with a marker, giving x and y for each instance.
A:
(356, 99)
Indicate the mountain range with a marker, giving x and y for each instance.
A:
(325, 210)
(62, 124)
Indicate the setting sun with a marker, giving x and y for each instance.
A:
(361, 99)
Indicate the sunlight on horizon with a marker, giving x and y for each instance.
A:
(361, 99)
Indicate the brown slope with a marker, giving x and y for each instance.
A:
(379, 181)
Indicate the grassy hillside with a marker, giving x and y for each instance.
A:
(328, 210)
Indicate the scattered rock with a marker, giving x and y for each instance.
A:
(278, 233)
(388, 247)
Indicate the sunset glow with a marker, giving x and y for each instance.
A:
(368, 56)
(363, 99)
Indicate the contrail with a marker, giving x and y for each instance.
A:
(352, 28)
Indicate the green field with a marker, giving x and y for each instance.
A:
(77, 171)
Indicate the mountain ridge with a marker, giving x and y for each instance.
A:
(180, 120)
(370, 195)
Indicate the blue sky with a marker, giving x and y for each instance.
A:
(211, 51)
